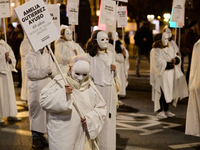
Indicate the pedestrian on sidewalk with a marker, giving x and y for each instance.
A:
(8, 106)
(165, 76)
(40, 70)
(143, 40)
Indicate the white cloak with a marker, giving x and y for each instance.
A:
(24, 50)
(8, 105)
(65, 131)
(37, 78)
(167, 80)
(64, 51)
(101, 74)
(193, 110)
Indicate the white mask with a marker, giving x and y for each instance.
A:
(169, 32)
(165, 39)
(68, 34)
(80, 70)
(102, 40)
(115, 36)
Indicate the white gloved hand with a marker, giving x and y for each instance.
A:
(48, 70)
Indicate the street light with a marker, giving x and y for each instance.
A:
(166, 17)
(150, 17)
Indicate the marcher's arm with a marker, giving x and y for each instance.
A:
(95, 119)
(53, 98)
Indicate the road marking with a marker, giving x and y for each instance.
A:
(180, 146)
(140, 122)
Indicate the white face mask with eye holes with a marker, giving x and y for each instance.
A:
(80, 71)
(165, 39)
(102, 40)
(169, 32)
(68, 34)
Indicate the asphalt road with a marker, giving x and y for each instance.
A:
(137, 126)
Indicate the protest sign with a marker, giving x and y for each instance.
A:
(54, 11)
(37, 23)
(73, 10)
(178, 13)
(122, 17)
(107, 12)
(4, 8)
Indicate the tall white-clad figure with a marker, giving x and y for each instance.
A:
(66, 48)
(66, 128)
(24, 50)
(8, 107)
(40, 70)
(164, 75)
(101, 73)
(122, 62)
(193, 110)
(180, 84)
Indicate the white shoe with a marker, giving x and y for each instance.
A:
(120, 103)
(169, 114)
(1, 120)
(161, 115)
(14, 119)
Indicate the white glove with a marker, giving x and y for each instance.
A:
(48, 70)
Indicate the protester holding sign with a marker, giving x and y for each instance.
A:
(66, 48)
(8, 107)
(40, 69)
(122, 62)
(66, 129)
(101, 73)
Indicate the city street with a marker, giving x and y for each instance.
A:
(137, 126)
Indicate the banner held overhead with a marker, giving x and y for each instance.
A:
(4, 8)
(37, 23)
(54, 11)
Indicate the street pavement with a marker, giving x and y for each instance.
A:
(137, 126)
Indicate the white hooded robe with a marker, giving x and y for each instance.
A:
(24, 50)
(65, 130)
(64, 51)
(172, 81)
(8, 105)
(35, 67)
(102, 77)
(193, 109)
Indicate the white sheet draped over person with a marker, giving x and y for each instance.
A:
(24, 50)
(180, 85)
(193, 109)
(66, 130)
(8, 105)
(101, 74)
(40, 70)
(122, 61)
(66, 48)
(165, 76)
